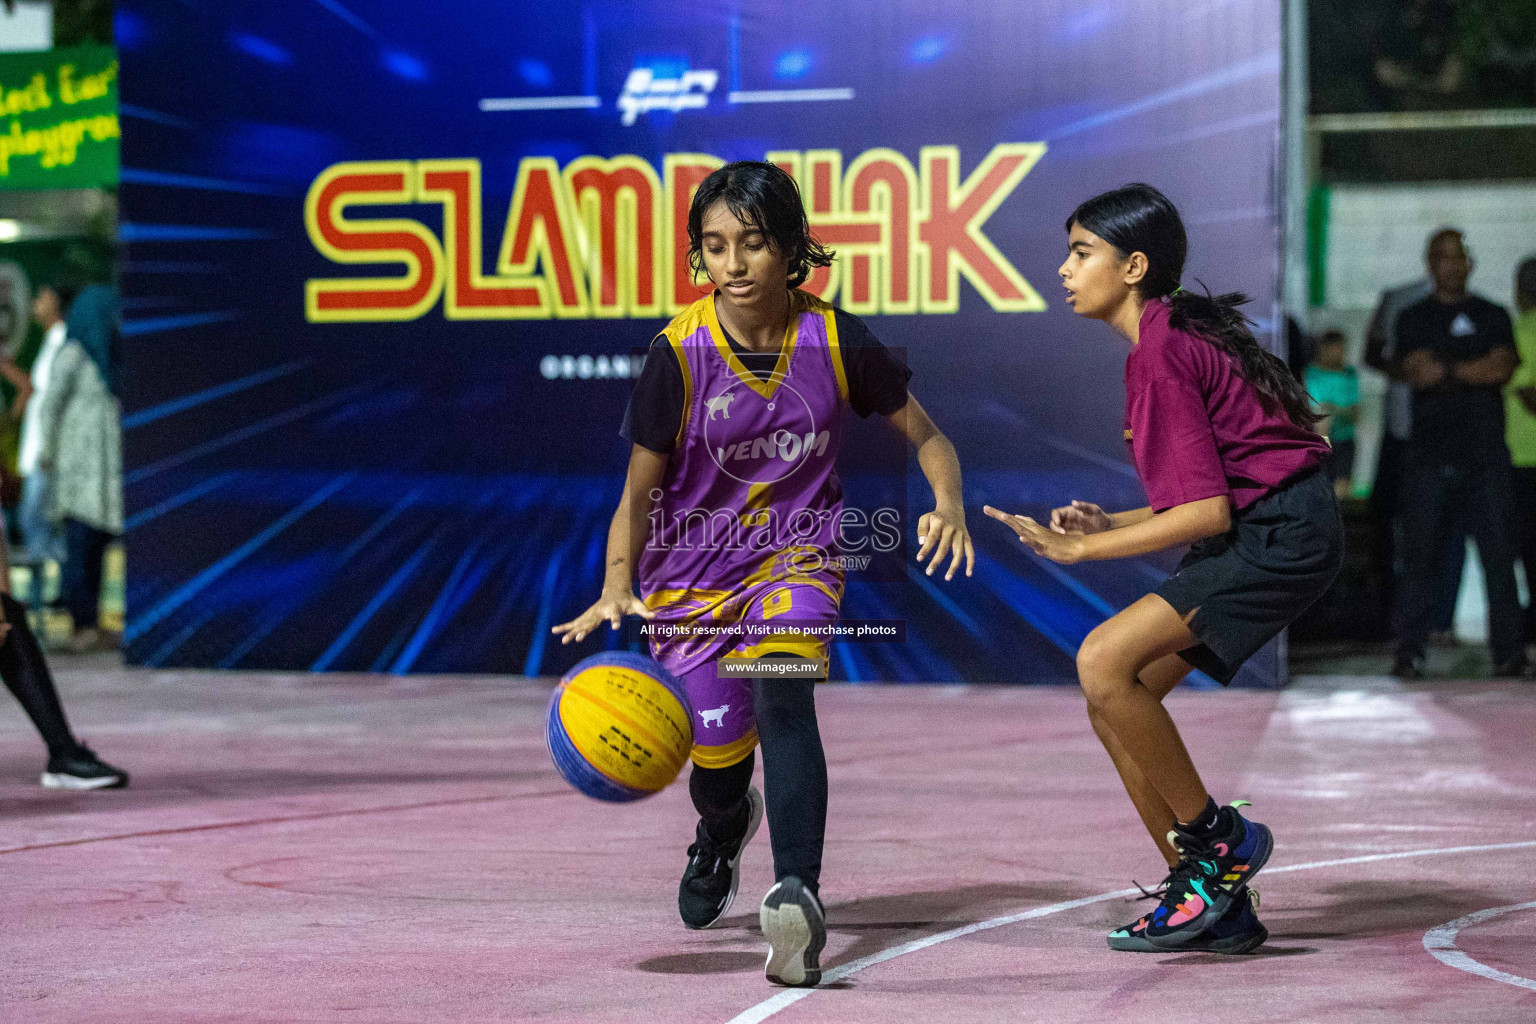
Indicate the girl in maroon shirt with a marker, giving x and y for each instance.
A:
(1220, 432)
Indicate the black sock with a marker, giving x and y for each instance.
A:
(1205, 822)
(26, 676)
(719, 796)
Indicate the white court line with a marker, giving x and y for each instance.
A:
(494, 104)
(768, 1007)
(791, 96)
(1441, 943)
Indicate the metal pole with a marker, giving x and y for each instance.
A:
(1294, 153)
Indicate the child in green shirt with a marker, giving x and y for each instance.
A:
(1335, 387)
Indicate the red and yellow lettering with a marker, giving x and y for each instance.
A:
(541, 230)
(949, 228)
(614, 230)
(820, 174)
(882, 183)
(822, 281)
(376, 240)
(685, 172)
(618, 203)
(472, 295)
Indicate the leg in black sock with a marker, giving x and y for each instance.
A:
(26, 675)
(1204, 823)
(794, 776)
(719, 795)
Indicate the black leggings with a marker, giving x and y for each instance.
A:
(794, 779)
(26, 675)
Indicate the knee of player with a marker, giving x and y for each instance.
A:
(1098, 664)
(1094, 659)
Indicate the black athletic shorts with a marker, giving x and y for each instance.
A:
(1249, 583)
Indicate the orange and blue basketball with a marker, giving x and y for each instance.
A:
(620, 727)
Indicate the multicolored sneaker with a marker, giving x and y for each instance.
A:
(1237, 931)
(1211, 875)
(1131, 939)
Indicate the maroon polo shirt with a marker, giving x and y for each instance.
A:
(1197, 429)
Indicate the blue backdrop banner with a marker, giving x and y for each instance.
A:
(390, 269)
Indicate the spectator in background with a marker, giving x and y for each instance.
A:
(1520, 431)
(1397, 410)
(1418, 62)
(1457, 351)
(1397, 421)
(81, 444)
(1336, 389)
(38, 532)
(18, 379)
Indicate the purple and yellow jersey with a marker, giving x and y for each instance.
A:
(751, 497)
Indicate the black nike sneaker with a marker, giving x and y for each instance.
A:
(82, 769)
(714, 869)
(1131, 938)
(1237, 931)
(795, 926)
(1211, 874)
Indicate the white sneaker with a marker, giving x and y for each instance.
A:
(796, 929)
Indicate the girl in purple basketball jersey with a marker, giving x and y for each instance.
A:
(732, 523)
(1221, 436)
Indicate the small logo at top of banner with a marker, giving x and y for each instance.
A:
(644, 92)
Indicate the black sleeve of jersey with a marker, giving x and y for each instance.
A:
(877, 378)
(655, 408)
(1501, 329)
(1412, 333)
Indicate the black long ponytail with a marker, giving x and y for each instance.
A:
(1139, 218)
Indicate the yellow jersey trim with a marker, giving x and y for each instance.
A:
(766, 388)
(835, 351)
(724, 756)
(682, 364)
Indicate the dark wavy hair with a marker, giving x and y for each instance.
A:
(764, 197)
(1139, 218)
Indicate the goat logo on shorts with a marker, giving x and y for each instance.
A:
(720, 404)
(715, 714)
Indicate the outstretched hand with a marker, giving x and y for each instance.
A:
(612, 607)
(1080, 517)
(1064, 548)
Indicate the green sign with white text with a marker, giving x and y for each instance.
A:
(58, 118)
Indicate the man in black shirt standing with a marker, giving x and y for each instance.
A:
(1457, 351)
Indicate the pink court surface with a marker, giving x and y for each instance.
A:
(359, 848)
